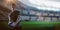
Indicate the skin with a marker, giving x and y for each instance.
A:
(7, 10)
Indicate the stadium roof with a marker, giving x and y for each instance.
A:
(51, 5)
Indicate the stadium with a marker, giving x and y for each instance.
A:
(33, 15)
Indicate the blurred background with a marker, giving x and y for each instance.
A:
(36, 15)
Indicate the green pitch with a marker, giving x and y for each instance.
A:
(38, 25)
(33, 25)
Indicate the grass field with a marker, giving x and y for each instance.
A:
(39, 25)
(32, 25)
